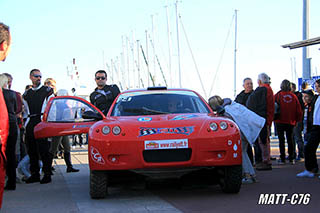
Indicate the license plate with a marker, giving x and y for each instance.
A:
(166, 144)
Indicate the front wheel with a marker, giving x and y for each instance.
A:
(98, 184)
(231, 179)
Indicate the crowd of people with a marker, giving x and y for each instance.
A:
(297, 124)
(296, 117)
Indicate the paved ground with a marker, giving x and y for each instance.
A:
(69, 192)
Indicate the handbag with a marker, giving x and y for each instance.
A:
(277, 110)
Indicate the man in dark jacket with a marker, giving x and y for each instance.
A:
(261, 101)
(312, 137)
(242, 98)
(104, 94)
(37, 98)
(297, 130)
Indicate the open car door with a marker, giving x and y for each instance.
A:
(67, 115)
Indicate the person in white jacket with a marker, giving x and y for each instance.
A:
(250, 125)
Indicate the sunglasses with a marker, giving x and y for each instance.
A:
(100, 78)
(37, 76)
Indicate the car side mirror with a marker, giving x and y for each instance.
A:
(91, 115)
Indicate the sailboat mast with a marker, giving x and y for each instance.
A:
(178, 44)
(235, 54)
(169, 46)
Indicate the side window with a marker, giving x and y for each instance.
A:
(68, 110)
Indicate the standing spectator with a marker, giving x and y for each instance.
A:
(5, 41)
(63, 140)
(242, 98)
(297, 130)
(11, 102)
(290, 114)
(104, 94)
(261, 101)
(19, 118)
(312, 136)
(37, 98)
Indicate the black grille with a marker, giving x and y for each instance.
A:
(167, 155)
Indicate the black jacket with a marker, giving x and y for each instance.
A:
(11, 102)
(103, 102)
(242, 97)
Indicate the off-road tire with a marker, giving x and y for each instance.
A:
(98, 184)
(231, 179)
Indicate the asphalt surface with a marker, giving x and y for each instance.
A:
(69, 193)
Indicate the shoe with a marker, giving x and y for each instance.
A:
(247, 180)
(45, 179)
(273, 158)
(292, 162)
(306, 173)
(33, 179)
(264, 167)
(71, 169)
(10, 187)
(299, 159)
(281, 162)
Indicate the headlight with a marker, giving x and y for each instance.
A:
(116, 130)
(213, 126)
(106, 130)
(223, 125)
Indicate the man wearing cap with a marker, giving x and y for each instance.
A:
(312, 136)
(261, 101)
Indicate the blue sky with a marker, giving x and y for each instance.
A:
(48, 34)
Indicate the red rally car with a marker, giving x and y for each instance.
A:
(156, 132)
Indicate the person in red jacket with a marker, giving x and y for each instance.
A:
(5, 40)
(290, 114)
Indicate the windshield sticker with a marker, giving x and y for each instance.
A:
(183, 117)
(145, 119)
(96, 156)
(81, 126)
(187, 130)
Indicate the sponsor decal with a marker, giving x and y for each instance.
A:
(187, 130)
(287, 98)
(166, 144)
(151, 145)
(235, 147)
(144, 119)
(96, 156)
(81, 126)
(183, 117)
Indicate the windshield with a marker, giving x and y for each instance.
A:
(158, 102)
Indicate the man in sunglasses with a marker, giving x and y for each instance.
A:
(104, 94)
(37, 98)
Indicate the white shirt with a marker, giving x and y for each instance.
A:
(316, 112)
